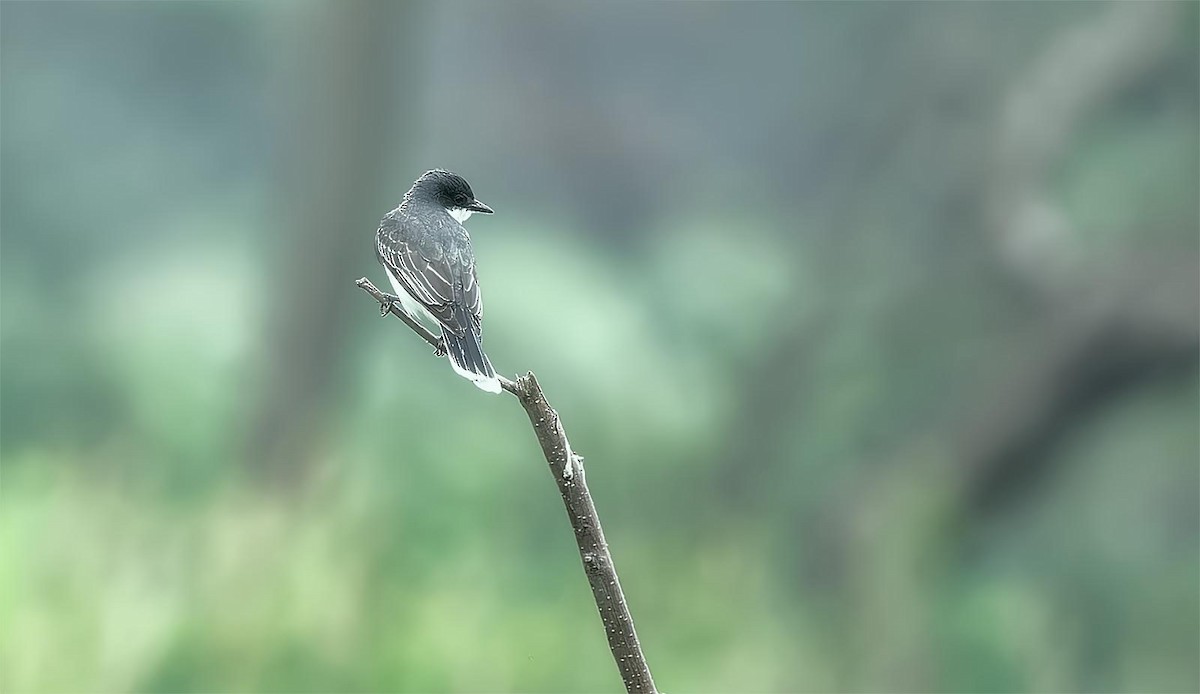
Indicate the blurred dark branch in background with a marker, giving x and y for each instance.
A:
(338, 80)
(566, 467)
(1088, 66)
(1092, 336)
(1096, 338)
(1087, 363)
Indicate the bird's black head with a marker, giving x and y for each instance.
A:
(451, 191)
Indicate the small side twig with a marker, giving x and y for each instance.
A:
(567, 469)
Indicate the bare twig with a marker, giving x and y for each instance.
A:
(433, 340)
(567, 469)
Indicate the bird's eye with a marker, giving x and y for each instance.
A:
(462, 200)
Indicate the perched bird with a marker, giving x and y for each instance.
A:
(428, 258)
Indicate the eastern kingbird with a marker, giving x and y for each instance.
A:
(427, 255)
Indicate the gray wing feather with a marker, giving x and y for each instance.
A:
(443, 283)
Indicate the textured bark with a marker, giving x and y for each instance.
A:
(567, 469)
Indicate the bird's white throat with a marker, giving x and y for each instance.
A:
(460, 214)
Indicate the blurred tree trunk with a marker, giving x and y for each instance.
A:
(769, 397)
(337, 83)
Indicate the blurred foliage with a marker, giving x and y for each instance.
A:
(746, 248)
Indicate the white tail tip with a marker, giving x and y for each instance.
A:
(491, 385)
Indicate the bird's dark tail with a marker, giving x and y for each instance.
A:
(467, 357)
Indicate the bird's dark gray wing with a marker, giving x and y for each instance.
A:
(443, 282)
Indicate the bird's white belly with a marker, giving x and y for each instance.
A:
(411, 305)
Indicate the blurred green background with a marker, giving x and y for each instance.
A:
(876, 323)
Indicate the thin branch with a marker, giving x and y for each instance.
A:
(567, 469)
(434, 340)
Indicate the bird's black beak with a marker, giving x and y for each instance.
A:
(477, 206)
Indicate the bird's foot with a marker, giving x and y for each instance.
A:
(385, 304)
